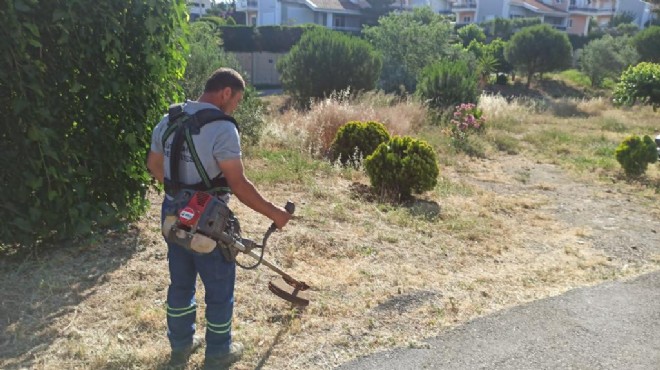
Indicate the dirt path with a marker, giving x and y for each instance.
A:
(615, 221)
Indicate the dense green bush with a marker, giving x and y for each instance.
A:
(402, 166)
(647, 43)
(640, 83)
(275, 39)
(356, 140)
(635, 153)
(83, 84)
(325, 61)
(448, 83)
(250, 116)
(471, 32)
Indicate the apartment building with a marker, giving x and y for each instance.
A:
(571, 16)
(344, 15)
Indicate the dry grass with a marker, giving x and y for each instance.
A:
(382, 275)
(314, 131)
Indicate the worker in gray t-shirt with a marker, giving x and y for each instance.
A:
(217, 147)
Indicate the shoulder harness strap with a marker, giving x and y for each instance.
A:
(183, 126)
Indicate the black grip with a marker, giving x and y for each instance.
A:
(290, 207)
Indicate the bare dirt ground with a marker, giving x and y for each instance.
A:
(615, 221)
(509, 230)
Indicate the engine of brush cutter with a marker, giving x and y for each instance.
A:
(198, 221)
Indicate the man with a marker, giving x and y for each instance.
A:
(218, 151)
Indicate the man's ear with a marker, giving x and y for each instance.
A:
(227, 93)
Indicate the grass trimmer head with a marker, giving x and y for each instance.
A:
(291, 291)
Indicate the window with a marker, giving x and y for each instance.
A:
(467, 19)
(339, 21)
(570, 23)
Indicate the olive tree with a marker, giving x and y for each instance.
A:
(607, 57)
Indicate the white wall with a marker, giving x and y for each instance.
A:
(638, 8)
(266, 12)
(294, 15)
(490, 9)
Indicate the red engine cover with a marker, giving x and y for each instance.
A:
(190, 214)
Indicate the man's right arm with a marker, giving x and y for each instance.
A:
(245, 191)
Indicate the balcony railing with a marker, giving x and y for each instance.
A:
(590, 9)
(464, 5)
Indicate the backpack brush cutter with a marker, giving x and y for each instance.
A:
(200, 222)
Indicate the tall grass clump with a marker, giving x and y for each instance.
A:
(314, 130)
(506, 115)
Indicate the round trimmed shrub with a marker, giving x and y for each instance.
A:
(356, 140)
(402, 166)
(635, 153)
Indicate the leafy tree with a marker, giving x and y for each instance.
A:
(471, 32)
(504, 28)
(325, 61)
(377, 9)
(621, 18)
(625, 29)
(607, 57)
(83, 84)
(205, 55)
(539, 49)
(640, 83)
(647, 43)
(408, 41)
(496, 48)
(477, 48)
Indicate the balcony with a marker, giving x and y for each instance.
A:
(462, 5)
(246, 5)
(590, 10)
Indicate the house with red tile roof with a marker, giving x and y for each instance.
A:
(572, 16)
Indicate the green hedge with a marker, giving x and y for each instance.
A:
(276, 39)
(83, 83)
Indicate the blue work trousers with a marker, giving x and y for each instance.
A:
(218, 276)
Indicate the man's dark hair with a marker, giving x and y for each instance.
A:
(225, 77)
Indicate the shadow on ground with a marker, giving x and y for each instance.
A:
(41, 286)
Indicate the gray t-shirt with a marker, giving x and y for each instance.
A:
(217, 141)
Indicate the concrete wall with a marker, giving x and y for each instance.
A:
(260, 67)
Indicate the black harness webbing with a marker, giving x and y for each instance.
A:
(184, 126)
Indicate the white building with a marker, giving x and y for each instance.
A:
(346, 15)
(198, 8)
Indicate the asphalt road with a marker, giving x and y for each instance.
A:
(615, 325)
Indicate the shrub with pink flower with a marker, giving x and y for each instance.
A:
(467, 118)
